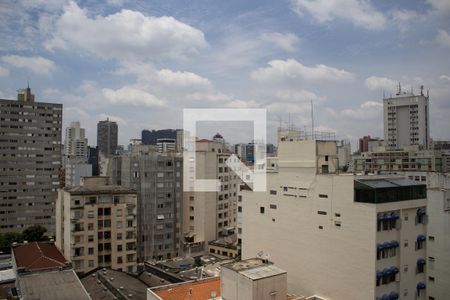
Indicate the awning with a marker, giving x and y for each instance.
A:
(393, 296)
(379, 274)
(387, 245)
(394, 270)
(394, 216)
(421, 286)
(387, 272)
(385, 297)
(394, 244)
(421, 261)
(380, 247)
(421, 238)
(421, 211)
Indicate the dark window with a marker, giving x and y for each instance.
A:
(321, 212)
(273, 206)
(261, 209)
(323, 196)
(273, 192)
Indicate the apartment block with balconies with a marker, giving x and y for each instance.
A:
(96, 225)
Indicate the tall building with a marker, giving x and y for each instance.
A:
(158, 179)
(75, 143)
(339, 236)
(406, 120)
(107, 132)
(76, 155)
(30, 162)
(166, 145)
(96, 225)
(210, 215)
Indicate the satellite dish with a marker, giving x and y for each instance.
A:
(263, 255)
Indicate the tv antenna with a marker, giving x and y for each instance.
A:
(312, 120)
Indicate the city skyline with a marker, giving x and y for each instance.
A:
(173, 55)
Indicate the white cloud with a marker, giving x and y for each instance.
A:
(360, 13)
(403, 18)
(124, 35)
(242, 104)
(367, 110)
(3, 72)
(440, 6)
(287, 95)
(286, 41)
(134, 96)
(444, 77)
(443, 38)
(292, 69)
(182, 79)
(380, 83)
(36, 64)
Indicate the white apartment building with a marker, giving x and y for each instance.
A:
(75, 142)
(96, 225)
(76, 155)
(210, 215)
(406, 120)
(337, 236)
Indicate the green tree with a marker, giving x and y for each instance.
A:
(7, 239)
(34, 234)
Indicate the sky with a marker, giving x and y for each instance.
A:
(141, 62)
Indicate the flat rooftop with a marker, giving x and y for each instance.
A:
(53, 285)
(105, 282)
(199, 290)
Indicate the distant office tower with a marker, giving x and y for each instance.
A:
(406, 120)
(96, 225)
(239, 150)
(150, 137)
(76, 155)
(157, 178)
(210, 215)
(344, 150)
(30, 162)
(94, 160)
(339, 236)
(107, 137)
(179, 140)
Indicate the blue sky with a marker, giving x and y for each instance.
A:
(142, 62)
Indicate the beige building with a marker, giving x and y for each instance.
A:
(253, 279)
(210, 215)
(30, 162)
(337, 236)
(96, 225)
(406, 120)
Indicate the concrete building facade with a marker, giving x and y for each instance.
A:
(210, 215)
(30, 162)
(406, 120)
(96, 225)
(337, 236)
(76, 155)
(158, 179)
(107, 132)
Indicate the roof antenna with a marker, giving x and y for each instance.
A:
(312, 120)
(421, 90)
(399, 91)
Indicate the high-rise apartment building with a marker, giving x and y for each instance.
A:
(75, 143)
(158, 179)
(76, 155)
(107, 132)
(96, 225)
(339, 236)
(210, 215)
(406, 120)
(30, 162)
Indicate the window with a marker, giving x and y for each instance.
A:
(273, 206)
(337, 224)
(273, 192)
(431, 238)
(323, 196)
(239, 208)
(320, 227)
(90, 251)
(321, 212)
(119, 248)
(261, 209)
(337, 215)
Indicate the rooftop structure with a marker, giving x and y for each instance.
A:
(205, 289)
(38, 256)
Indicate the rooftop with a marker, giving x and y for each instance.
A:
(104, 189)
(262, 272)
(193, 290)
(247, 264)
(38, 256)
(103, 283)
(52, 285)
